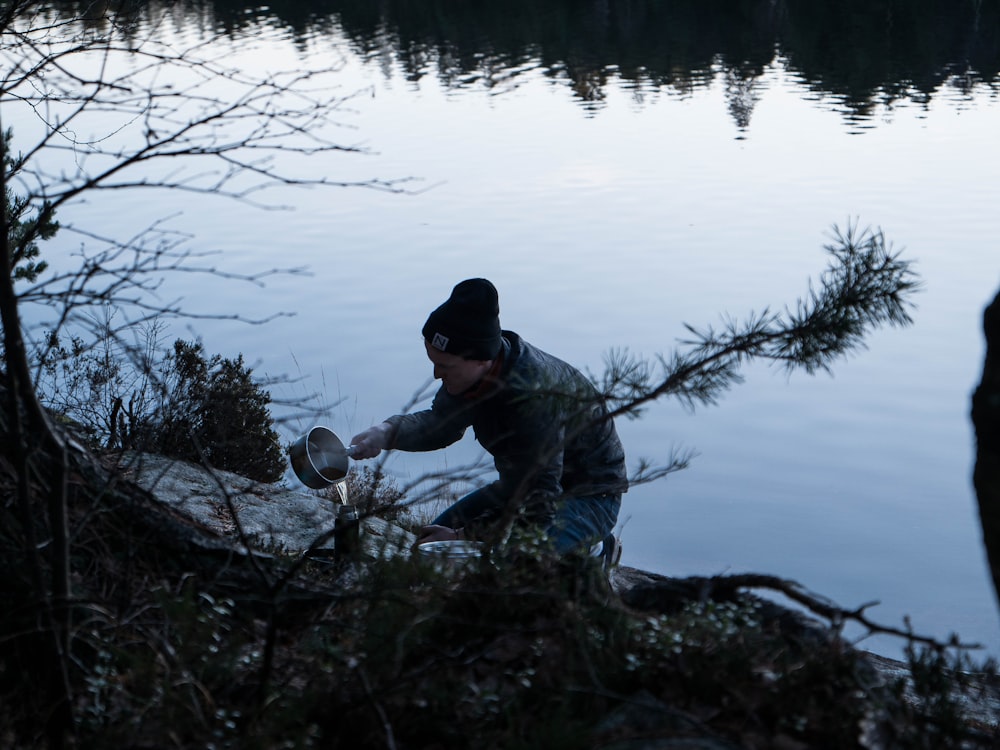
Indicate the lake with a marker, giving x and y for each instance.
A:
(619, 169)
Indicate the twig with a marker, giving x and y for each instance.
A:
(389, 737)
(822, 606)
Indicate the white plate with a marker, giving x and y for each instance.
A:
(456, 548)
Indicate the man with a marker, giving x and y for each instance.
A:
(561, 465)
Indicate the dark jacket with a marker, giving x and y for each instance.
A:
(540, 418)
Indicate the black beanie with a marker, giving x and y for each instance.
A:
(467, 324)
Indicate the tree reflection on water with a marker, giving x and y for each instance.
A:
(863, 54)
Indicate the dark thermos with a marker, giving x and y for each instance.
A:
(347, 534)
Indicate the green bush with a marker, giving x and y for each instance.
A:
(24, 231)
(214, 410)
(181, 404)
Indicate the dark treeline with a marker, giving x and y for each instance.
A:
(862, 52)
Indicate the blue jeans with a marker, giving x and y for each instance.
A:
(577, 524)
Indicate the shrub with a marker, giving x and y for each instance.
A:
(214, 410)
(181, 404)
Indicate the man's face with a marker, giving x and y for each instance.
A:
(455, 373)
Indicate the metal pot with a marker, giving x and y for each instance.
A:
(452, 555)
(319, 458)
(453, 549)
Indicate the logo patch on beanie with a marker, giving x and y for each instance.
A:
(440, 342)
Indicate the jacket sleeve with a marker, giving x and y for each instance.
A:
(440, 426)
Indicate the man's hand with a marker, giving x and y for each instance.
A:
(436, 533)
(372, 441)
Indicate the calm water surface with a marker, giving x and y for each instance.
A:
(608, 226)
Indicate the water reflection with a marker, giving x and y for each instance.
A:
(866, 56)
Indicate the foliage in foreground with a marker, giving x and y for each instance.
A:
(517, 651)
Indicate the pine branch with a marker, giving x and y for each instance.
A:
(865, 287)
